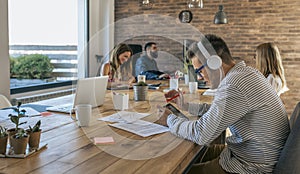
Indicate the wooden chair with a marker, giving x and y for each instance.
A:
(4, 102)
(290, 155)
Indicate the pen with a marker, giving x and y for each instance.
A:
(172, 98)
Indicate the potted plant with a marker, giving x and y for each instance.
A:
(140, 91)
(3, 140)
(16, 120)
(19, 142)
(34, 136)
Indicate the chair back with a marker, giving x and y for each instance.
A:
(4, 102)
(290, 155)
(137, 51)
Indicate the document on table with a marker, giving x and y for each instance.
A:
(142, 128)
(211, 92)
(29, 112)
(124, 117)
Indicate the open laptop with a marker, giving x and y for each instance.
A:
(88, 91)
(193, 78)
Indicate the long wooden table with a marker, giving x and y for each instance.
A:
(70, 149)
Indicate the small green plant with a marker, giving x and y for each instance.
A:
(36, 127)
(3, 132)
(20, 134)
(141, 83)
(16, 118)
(34, 66)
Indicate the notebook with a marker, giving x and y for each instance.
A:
(88, 91)
(193, 78)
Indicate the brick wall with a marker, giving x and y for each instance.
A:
(251, 22)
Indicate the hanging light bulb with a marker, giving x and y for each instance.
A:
(195, 3)
(147, 4)
(220, 16)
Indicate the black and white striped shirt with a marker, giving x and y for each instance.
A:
(247, 104)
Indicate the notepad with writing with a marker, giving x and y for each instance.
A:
(103, 140)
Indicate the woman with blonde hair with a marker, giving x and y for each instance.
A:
(119, 67)
(269, 63)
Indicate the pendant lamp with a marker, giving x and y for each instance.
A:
(220, 16)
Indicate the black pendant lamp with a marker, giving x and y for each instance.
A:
(220, 16)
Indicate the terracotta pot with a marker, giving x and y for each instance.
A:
(11, 133)
(19, 145)
(3, 145)
(34, 140)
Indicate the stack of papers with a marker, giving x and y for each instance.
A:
(130, 121)
(124, 117)
(141, 128)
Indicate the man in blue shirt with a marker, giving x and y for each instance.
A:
(147, 65)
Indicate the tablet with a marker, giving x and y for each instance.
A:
(175, 111)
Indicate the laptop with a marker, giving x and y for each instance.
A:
(88, 91)
(193, 78)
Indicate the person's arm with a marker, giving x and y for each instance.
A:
(228, 106)
(131, 80)
(106, 69)
(193, 108)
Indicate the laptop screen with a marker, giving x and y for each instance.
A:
(91, 91)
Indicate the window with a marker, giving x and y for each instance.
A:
(43, 42)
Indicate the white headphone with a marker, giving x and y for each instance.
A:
(214, 62)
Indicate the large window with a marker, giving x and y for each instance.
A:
(43, 41)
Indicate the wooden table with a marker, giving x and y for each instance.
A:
(70, 149)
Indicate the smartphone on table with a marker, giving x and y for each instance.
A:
(175, 111)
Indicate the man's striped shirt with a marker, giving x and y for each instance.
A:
(247, 104)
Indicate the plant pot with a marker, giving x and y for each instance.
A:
(11, 133)
(140, 93)
(18, 146)
(34, 140)
(3, 145)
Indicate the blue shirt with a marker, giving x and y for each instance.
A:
(143, 64)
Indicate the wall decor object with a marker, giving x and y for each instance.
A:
(185, 16)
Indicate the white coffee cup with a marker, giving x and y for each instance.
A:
(174, 83)
(83, 113)
(142, 78)
(193, 86)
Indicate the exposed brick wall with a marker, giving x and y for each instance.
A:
(251, 22)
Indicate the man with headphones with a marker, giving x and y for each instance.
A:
(244, 102)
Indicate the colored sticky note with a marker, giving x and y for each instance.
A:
(103, 140)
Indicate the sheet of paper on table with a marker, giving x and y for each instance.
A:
(124, 117)
(29, 112)
(142, 128)
(211, 92)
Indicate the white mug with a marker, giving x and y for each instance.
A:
(174, 83)
(193, 86)
(142, 78)
(83, 114)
